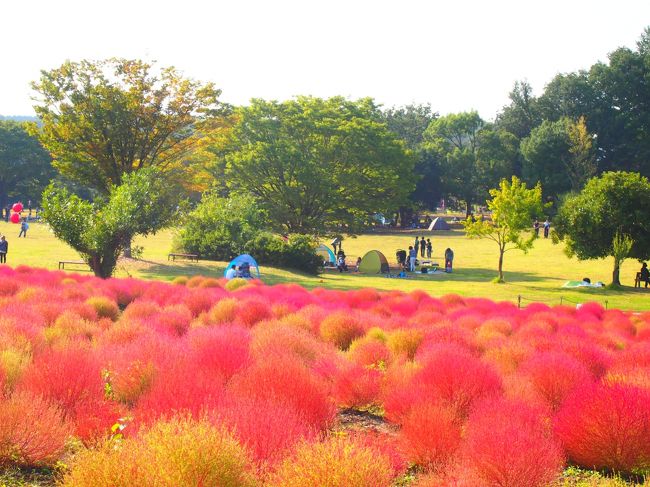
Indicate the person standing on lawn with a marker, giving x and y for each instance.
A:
(423, 247)
(23, 228)
(4, 248)
(429, 248)
(417, 246)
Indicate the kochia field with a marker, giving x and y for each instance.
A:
(208, 382)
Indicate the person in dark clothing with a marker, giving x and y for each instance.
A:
(429, 248)
(536, 228)
(7, 212)
(645, 274)
(23, 228)
(416, 245)
(4, 248)
(423, 247)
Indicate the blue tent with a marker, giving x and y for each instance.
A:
(241, 259)
(326, 253)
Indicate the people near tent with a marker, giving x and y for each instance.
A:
(231, 273)
(449, 259)
(358, 264)
(423, 247)
(340, 262)
(547, 228)
(644, 274)
(429, 248)
(536, 227)
(401, 255)
(245, 270)
(413, 256)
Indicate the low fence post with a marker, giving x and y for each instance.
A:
(519, 301)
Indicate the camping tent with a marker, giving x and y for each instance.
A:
(439, 224)
(240, 259)
(374, 262)
(326, 253)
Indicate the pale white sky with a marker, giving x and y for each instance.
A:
(457, 55)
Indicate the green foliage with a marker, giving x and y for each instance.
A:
(318, 165)
(220, 227)
(513, 208)
(25, 167)
(102, 120)
(475, 155)
(100, 231)
(559, 155)
(614, 203)
(298, 252)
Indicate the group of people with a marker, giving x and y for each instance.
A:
(243, 271)
(546, 225)
(425, 248)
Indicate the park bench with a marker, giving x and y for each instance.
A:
(190, 257)
(62, 263)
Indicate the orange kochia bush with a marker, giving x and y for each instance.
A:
(472, 391)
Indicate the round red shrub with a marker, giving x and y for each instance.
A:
(606, 427)
(340, 328)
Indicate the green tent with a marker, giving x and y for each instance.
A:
(374, 262)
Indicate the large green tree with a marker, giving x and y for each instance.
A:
(612, 206)
(560, 155)
(319, 165)
(513, 207)
(25, 167)
(409, 123)
(101, 230)
(105, 119)
(474, 155)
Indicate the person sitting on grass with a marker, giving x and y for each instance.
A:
(232, 272)
(340, 263)
(245, 270)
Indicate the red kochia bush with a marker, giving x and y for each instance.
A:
(606, 426)
(340, 328)
(430, 435)
(286, 380)
(32, 431)
(509, 444)
(555, 375)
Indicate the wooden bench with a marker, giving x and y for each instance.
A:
(190, 257)
(62, 263)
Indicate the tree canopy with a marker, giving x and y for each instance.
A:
(101, 230)
(318, 165)
(105, 119)
(513, 208)
(616, 203)
(25, 167)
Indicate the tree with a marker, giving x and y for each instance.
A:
(409, 123)
(560, 155)
(513, 207)
(25, 167)
(616, 203)
(523, 114)
(219, 228)
(99, 231)
(103, 120)
(318, 165)
(474, 155)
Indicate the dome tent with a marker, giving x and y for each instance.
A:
(326, 253)
(439, 224)
(241, 259)
(374, 262)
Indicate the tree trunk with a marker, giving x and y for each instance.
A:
(468, 208)
(615, 275)
(501, 265)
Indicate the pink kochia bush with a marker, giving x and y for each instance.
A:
(318, 387)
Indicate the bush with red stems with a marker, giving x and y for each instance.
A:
(509, 444)
(555, 375)
(340, 328)
(606, 427)
(431, 435)
(32, 431)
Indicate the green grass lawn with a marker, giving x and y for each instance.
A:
(536, 276)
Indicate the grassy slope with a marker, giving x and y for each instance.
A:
(536, 276)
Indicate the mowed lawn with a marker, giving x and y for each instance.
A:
(536, 276)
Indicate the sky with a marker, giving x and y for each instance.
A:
(457, 55)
